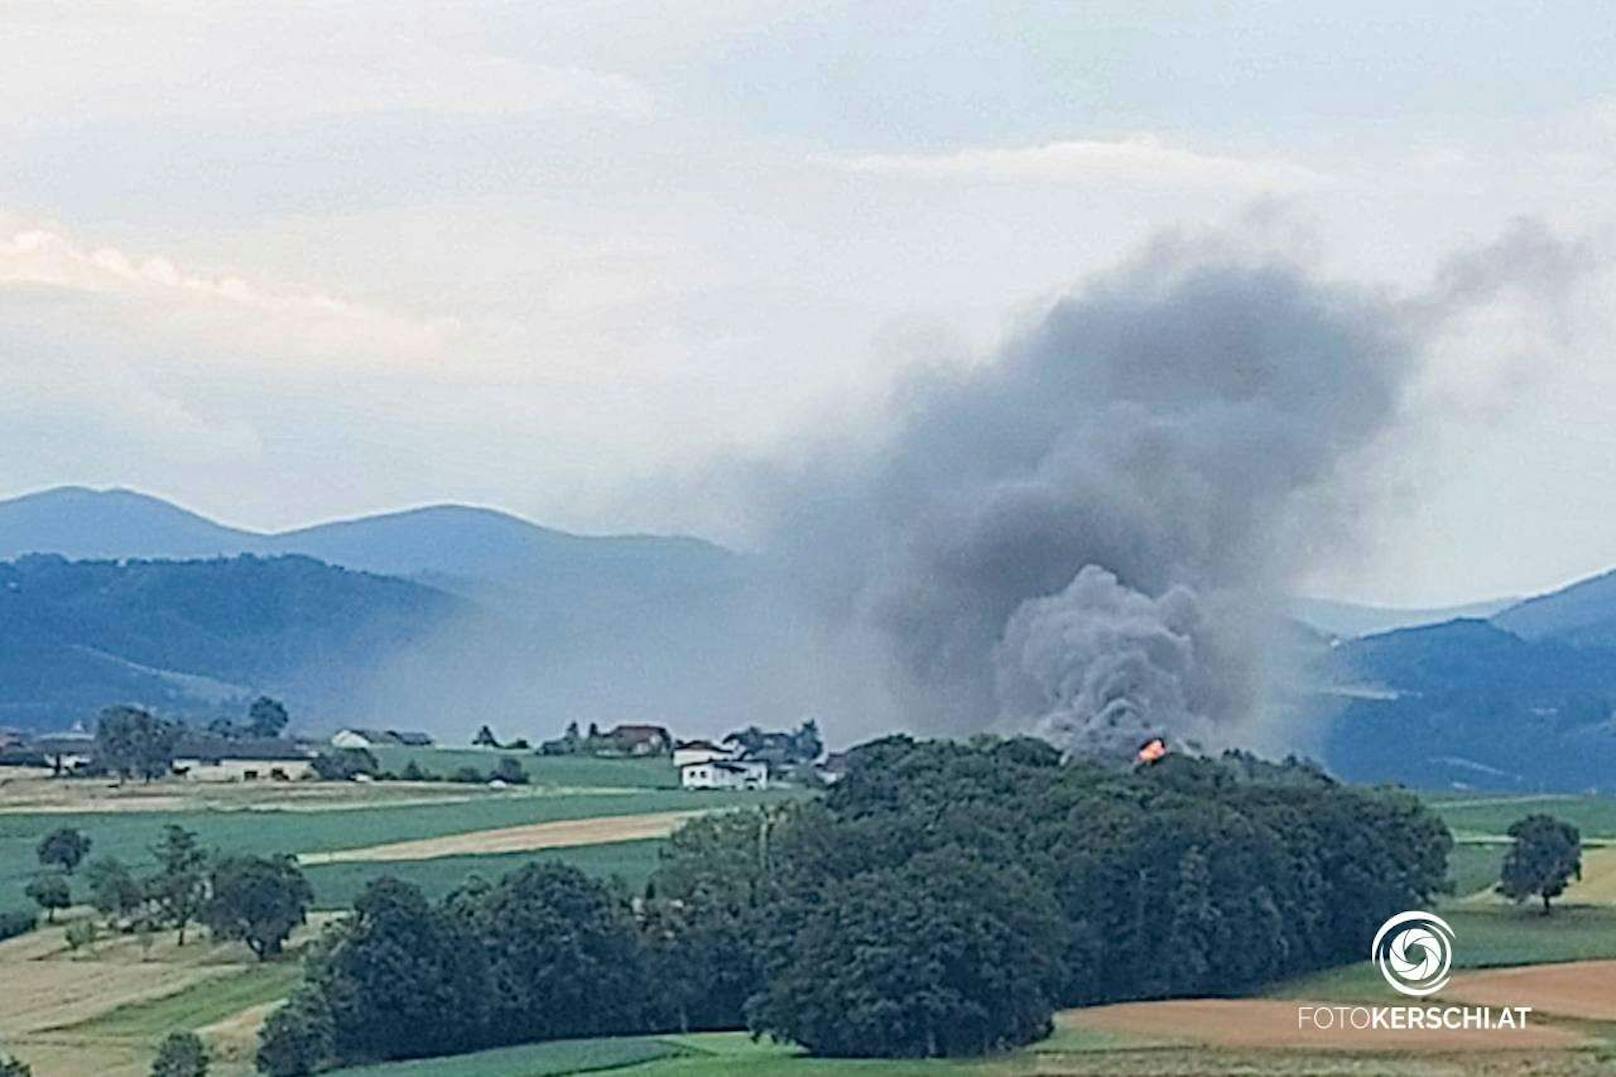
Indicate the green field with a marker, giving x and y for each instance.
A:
(530, 1060)
(571, 771)
(1476, 814)
(335, 885)
(1474, 867)
(202, 1004)
(129, 835)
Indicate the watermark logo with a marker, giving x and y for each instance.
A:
(1414, 951)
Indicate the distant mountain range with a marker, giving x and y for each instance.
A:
(448, 616)
(449, 542)
(544, 626)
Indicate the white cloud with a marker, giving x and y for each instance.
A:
(1140, 160)
(153, 290)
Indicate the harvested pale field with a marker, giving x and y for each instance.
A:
(42, 795)
(600, 830)
(235, 1039)
(1580, 989)
(1272, 1023)
(48, 987)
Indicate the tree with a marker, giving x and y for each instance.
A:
(485, 738)
(510, 772)
(80, 935)
(1546, 855)
(132, 742)
(11, 1066)
(267, 717)
(181, 1054)
(113, 890)
(946, 956)
(345, 764)
(806, 744)
(297, 1039)
(64, 848)
(405, 979)
(180, 886)
(50, 892)
(564, 954)
(258, 900)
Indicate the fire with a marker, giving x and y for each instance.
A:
(1152, 750)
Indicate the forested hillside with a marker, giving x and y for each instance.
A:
(184, 637)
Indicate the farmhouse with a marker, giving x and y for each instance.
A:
(834, 768)
(640, 739)
(725, 774)
(699, 751)
(377, 738)
(218, 759)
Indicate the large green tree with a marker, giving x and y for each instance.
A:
(180, 886)
(257, 900)
(50, 892)
(298, 1038)
(945, 956)
(63, 848)
(405, 978)
(114, 891)
(181, 1054)
(1545, 857)
(267, 717)
(131, 742)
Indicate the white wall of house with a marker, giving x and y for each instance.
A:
(347, 738)
(242, 770)
(725, 774)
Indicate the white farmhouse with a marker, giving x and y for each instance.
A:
(725, 774)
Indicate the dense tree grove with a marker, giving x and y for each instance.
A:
(942, 899)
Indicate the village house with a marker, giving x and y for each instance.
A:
(833, 769)
(221, 759)
(640, 740)
(378, 738)
(725, 774)
(699, 751)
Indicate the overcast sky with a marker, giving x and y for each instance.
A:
(289, 262)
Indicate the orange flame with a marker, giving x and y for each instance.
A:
(1152, 750)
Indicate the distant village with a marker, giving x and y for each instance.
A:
(259, 750)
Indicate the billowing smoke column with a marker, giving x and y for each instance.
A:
(1085, 538)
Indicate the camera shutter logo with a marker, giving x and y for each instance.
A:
(1414, 951)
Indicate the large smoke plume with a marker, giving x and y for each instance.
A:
(1087, 537)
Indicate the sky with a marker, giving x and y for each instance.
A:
(289, 262)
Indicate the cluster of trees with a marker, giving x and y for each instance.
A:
(134, 743)
(785, 748)
(266, 719)
(485, 738)
(345, 764)
(251, 899)
(942, 899)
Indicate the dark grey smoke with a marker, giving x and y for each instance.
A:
(1085, 538)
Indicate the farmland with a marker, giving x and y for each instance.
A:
(103, 1011)
(326, 818)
